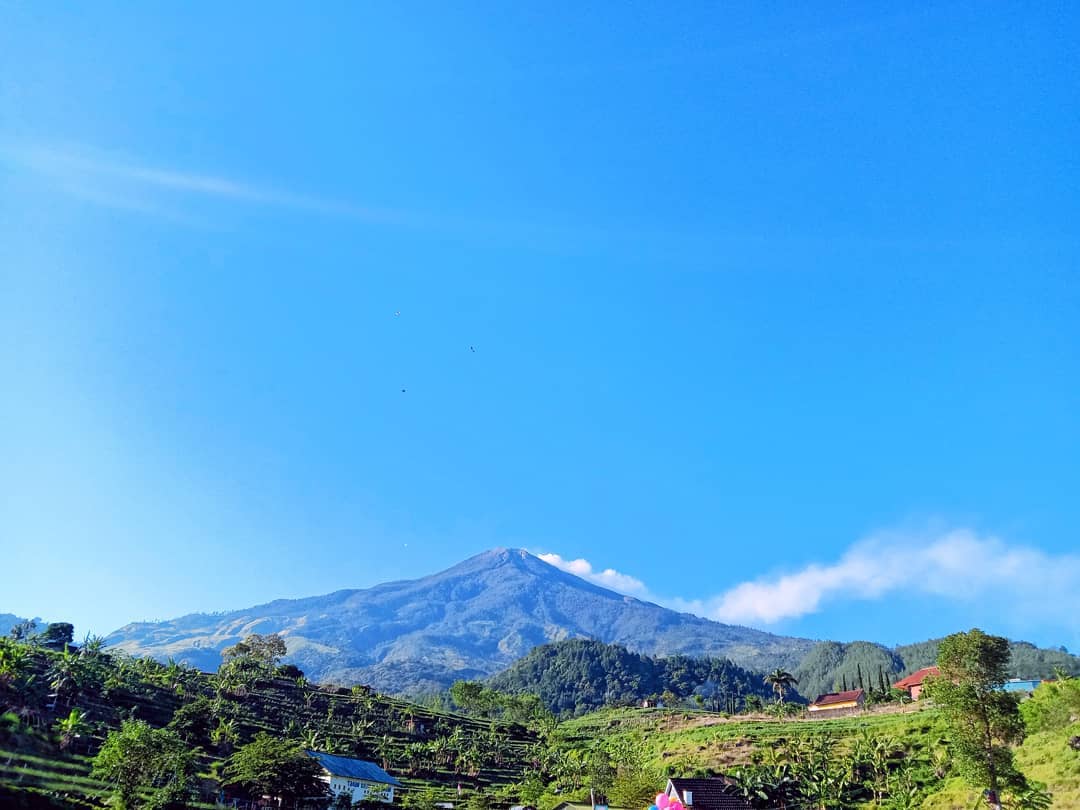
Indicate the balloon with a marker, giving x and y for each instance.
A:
(675, 805)
(662, 801)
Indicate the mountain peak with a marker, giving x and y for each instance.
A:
(491, 559)
(467, 621)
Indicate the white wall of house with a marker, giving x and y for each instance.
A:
(360, 789)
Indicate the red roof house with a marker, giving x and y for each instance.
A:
(913, 683)
(838, 702)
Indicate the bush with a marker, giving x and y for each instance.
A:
(1052, 706)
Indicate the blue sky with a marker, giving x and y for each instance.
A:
(773, 312)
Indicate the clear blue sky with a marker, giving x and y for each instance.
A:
(775, 310)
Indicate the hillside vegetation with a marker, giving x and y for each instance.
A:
(57, 706)
(577, 676)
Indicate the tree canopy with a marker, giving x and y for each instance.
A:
(147, 767)
(274, 767)
(983, 719)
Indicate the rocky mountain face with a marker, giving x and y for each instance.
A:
(469, 621)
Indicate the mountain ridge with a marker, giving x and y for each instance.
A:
(478, 617)
(467, 621)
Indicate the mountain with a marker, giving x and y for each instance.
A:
(9, 620)
(469, 621)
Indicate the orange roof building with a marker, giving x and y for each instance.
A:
(913, 683)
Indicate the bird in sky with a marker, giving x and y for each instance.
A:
(472, 348)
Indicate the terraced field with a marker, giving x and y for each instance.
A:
(425, 749)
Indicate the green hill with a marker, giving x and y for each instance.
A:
(424, 748)
(576, 676)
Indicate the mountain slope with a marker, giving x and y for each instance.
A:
(469, 621)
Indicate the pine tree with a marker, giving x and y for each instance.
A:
(858, 669)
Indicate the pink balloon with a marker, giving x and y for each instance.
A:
(675, 804)
(662, 801)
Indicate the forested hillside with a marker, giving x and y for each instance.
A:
(832, 665)
(576, 676)
(1027, 660)
(58, 706)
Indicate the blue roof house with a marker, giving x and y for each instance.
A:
(356, 777)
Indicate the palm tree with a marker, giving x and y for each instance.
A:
(66, 675)
(70, 728)
(14, 662)
(780, 680)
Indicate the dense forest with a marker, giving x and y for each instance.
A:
(577, 675)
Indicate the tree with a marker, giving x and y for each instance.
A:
(268, 650)
(752, 703)
(470, 696)
(24, 630)
(780, 680)
(70, 728)
(273, 767)
(14, 663)
(983, 720)
(67, 674)
(56, 636)
(147, 767)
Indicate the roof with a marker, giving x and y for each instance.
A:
(708, 794)
(916, 678)
(352, 768)
(829, 698)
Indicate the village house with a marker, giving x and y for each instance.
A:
(705, 794)
(833, 703)
(356, 777)
(913, 683)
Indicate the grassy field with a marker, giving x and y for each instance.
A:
(682, 741)
(685, 742)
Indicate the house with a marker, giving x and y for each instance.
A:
(356, 777)
(913, 683)
(705, 794)
(833, 703)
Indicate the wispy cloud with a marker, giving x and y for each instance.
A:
(957, 565)
(115, 182)
(607, 578)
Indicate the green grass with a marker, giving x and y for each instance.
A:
(1046, 757)
(688, 740)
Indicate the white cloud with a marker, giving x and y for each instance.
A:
(608, 578)
(957, 565)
